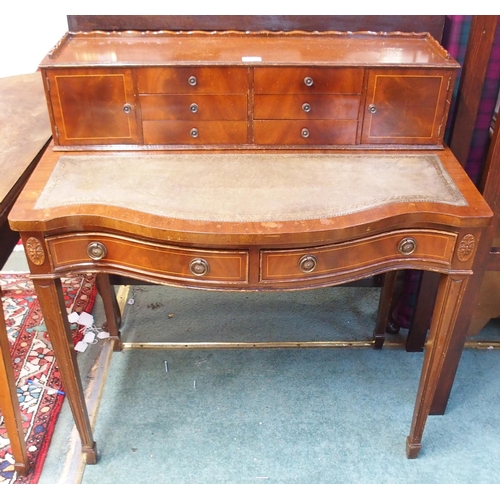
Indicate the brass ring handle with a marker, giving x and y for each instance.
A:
(127, 108)
(308, 263)
(407, 246)
(304, 132)
(199, 267)
(194, 132)
(308, 81)
(192, 81)
(372, 109)
(306, 107)
(193, 108)
(96, 250)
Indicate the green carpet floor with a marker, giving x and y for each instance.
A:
(289, 416)
(281, 416)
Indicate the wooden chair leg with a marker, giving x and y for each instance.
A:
(111, 309)
(10, 404)
(384, 308)
(50, 296)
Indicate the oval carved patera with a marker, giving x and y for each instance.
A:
(34, 251)
(466, 247)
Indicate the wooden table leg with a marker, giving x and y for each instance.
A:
(384, 308)
(422, 312)
(111, 309)
(10, 404)
(50, 296)
(450, 294)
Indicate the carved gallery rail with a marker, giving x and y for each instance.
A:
(255, 222)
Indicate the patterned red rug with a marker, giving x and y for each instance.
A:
(33, 360)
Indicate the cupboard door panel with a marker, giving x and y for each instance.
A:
(93, 107)
(405, 107)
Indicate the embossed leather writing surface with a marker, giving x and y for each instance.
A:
(246, 187)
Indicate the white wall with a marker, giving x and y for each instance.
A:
(26, 35)
(30, 28)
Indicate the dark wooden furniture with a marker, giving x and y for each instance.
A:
(482, 303)
(25, 134)
(433, 24)
(167, 90)
(351, 179)
(408, 24)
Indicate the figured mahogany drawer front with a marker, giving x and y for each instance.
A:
(194, 107)
(306, 107)
(303, 132)
(192, 80)
(195, 132)
(146, 258)
(316, 263)
(308, 80)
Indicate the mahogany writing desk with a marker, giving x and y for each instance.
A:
(25, 132)
(255, 162)
(244, 229)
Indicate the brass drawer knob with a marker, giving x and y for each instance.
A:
(199, 267)
(96, 250)
(306, 107)
(193, 108)
(308, 81)
(192, 81)
(308, 263)
(194, 132)
(127, 108)
(304, 132)
(372, 109)
(407, 246)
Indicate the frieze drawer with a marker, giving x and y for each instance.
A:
(142, 258)
(319, 262)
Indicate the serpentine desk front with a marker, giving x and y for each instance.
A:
(273, 220)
